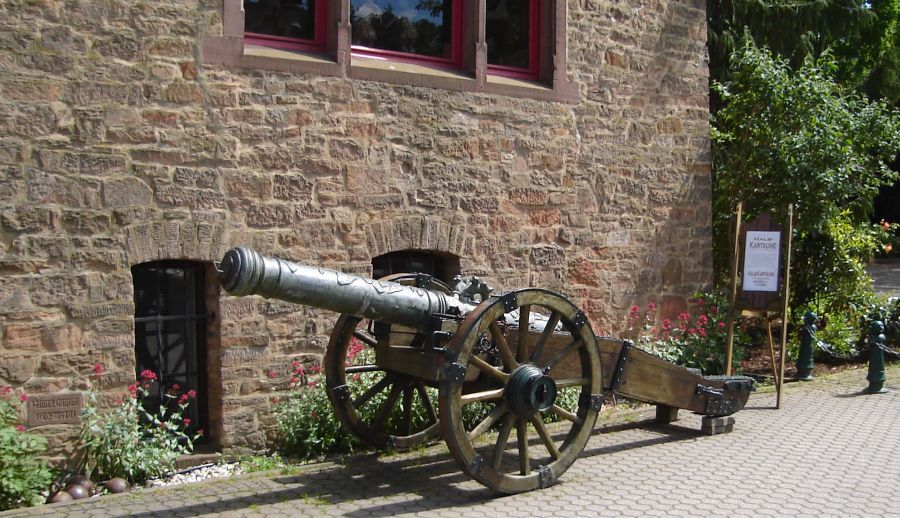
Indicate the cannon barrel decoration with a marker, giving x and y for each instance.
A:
(523, 363)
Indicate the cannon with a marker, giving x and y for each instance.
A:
(522, 363)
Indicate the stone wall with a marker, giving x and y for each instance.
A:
(119, 145)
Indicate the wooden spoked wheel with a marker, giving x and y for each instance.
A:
(525, 379)
(385, 409)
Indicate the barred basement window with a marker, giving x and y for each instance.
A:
(441, 266)
(170, 333)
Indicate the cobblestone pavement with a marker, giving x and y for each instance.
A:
(831, 451)
(886, 276)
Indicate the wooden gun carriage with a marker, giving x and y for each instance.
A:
(498, 364)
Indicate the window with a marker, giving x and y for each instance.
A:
(429, 30)
(512, 34)
(287, 24)
(441, 266)
(170, 333)
(506, 47)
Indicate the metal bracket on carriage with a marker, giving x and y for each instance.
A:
(471, 289)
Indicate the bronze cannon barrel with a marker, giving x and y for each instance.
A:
(244, 271)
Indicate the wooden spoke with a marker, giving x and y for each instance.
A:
(388, 405)
(489, 421)
(522, 438)
(548, 331)
(522, 345)
(574, 346)
(503, 347)
(374, 389)
(426, 402)
(364, 338)
(406, 421)
(572, 382)
(565, 414)
(489, 369)
(545, 436)
(481, 396)
(354, 369)
(502, 439)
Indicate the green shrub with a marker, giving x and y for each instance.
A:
(130, 442)
(23, 475)
(696, 339)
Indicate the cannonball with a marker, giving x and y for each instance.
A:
(83, 480)
(60, 496)
(116, 485)
(77, 491)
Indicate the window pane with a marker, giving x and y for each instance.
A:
(507, 31)
(286, 18)
(413, 26)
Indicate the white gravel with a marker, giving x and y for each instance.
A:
(197, 474)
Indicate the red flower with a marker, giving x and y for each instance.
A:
(133, 388)
(192, 393)
(721, 325)
(183, 399)
(187, 421)
(23, 398)
(98, 369)
(273, 374)
(148, 375)
(20, 428)
(175, 386)
(702, 320)
(6, 390)
(311, 383)
(315, 369)
(634, 309)
(651, 306)
(296, 365)
(294, 379)
(700, 302)
(200, 431)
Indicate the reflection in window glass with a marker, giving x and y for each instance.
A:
(421, 27)
(285, 18)
(507, 32)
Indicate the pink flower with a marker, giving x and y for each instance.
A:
(357, 377)
(713, 310)
(273, 374)
(148, 375)
(200, 431)
(683, 317)
(315, 369)
(98, 369)
(133, 388)
(20, 428)
(175, 386)
(191, 393)
(666, 324)
(23, 398)
(294, 379)
(702, 320)
(634, 309)
(651, 306)
(187, 421)
(721, 325)
(6, 391)
(702, 332)
(296, 365)
(700, 302)
(311, 383)
(183, 399)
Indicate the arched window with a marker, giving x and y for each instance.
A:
(440, 265)
(170, 319)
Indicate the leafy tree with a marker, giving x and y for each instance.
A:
(863, 35)
(784, 136)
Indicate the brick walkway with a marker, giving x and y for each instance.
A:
(830, 452)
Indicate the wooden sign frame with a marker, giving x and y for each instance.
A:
(763, 304)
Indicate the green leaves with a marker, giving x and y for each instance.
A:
(785, 136)
(23, 475)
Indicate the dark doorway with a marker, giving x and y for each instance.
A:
(441, 266)
(170, 319)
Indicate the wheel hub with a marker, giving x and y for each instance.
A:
(529, 390)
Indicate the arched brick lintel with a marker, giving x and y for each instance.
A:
(174, 240)
(419, 233)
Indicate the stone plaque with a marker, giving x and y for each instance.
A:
(59, 408)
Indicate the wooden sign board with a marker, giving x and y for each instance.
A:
(59, 408)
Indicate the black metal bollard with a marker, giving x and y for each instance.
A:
(805, 357)
(876, 375)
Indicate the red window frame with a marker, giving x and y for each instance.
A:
(534, 49)
(285, 43)
(456, 37)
